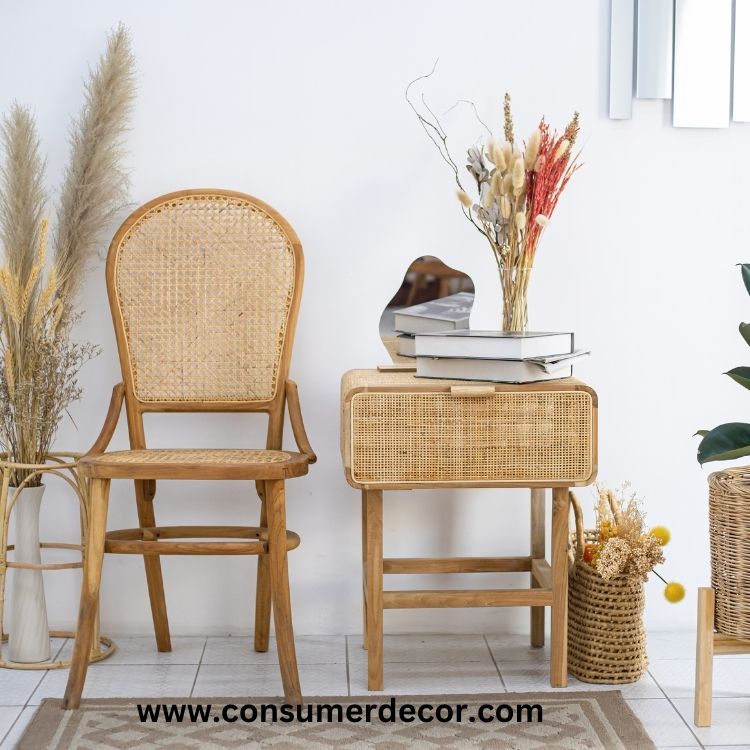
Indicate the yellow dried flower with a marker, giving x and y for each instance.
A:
(662, 534)
(674, 592)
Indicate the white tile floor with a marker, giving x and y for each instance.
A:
(414, 664)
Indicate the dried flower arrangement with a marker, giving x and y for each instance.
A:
(40, 360)
(517, 192)
(623, 546)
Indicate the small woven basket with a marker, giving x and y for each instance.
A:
(606, 636)
(729, 530)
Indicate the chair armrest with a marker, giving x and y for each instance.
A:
(298, 426)
(110, 422)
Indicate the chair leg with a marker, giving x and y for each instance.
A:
(88, 611)
(263, 586)
(704, 658)
(145, 490)
(282, 605)
(559, 637)
(538, 552)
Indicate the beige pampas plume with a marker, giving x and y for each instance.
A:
(497, 154)
(562, 149)
(465, 198)
(95, 185)
(521, 221)
(532, 150)
(542, 220)
(22, 193)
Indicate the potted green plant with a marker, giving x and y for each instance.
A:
(729, 510)
(39, 359)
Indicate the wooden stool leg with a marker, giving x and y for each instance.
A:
(145, 491)
(704, 657)
(364, 571)
(559, 639)
(88, 611)
(263, 585)
(374, 502)
(282, 605)
(538, 552)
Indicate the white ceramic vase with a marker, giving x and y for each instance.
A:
(28, 630)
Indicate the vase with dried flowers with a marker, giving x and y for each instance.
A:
(517, 190)
(40, 360)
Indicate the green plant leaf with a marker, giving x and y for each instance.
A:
(741, 375)
(702, 433)
(725, 442)
(745, 275)
(745, 332)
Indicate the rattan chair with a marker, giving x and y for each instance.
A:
(204, 288)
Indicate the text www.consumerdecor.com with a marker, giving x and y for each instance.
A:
(388, 712)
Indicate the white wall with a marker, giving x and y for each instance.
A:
(301, 103)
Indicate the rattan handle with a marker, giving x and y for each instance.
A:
(580, 534)
(473, 391)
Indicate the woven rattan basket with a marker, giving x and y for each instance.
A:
(606, 636)
(729, 530)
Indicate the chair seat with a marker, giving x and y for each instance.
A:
(192, 463)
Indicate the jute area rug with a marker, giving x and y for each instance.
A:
(570, 721)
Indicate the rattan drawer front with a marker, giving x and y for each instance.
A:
(513, 437)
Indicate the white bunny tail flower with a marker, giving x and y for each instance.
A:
(465, 198)
(542, 220)
(562, 149)
(505, 207)
(532, 150)
(521, 221)
(518, 174)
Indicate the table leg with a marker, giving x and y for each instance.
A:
(374, 502)
(538, 552)
(704, 658)
(559, 639)
(364, 569)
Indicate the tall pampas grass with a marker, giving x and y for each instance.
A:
(95, 185)
(39, 360)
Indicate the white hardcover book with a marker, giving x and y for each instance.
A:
(493, 344)
(406, 345)
(444, 314)
(497, 370)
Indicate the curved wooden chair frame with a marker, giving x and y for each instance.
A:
(254, 229)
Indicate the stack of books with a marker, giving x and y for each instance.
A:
(437, 335)
(445, 314)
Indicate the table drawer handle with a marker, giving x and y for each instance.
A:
(473, 391)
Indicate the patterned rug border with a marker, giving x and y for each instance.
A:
(626, 725)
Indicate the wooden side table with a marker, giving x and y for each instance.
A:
(400, 432)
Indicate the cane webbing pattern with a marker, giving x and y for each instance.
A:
(729, 530)
(228, 457)
(513, 436)
(204, 285)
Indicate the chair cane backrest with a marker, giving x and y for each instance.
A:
(204, 287)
